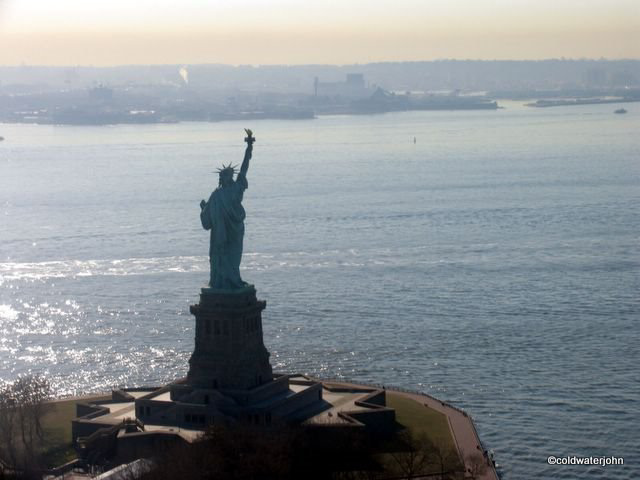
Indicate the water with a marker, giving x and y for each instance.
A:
(494, 263)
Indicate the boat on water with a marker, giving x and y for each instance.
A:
(620, 110)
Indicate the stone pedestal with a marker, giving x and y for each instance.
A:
(229, 350)
(230, 377)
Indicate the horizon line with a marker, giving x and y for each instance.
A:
(258, 65)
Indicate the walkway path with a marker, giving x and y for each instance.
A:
(462, 429)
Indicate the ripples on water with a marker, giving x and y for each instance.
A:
(493, 264)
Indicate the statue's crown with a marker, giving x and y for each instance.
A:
(227, 170)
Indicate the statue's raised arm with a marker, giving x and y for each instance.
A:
(247, 153)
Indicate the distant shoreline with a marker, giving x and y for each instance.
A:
(136, 119)
(86, 118)
(569, 102)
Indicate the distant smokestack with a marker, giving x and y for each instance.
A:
(184, 74)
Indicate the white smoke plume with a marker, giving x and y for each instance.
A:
(184, 74)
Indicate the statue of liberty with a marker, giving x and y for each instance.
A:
(224, 215)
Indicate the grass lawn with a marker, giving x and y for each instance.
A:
(422, 422)
(57, 448)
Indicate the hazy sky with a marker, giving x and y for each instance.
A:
(70, 32)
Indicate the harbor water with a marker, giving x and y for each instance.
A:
(493, 263)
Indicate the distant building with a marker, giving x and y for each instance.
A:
(353, 87)
(595, 77)
(355, 80)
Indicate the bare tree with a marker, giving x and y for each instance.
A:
(414, 455)
(30, 393)
(7, 425)
(446, 460)
(22, 408)
(37, 391)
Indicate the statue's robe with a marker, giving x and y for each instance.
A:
(224, 215)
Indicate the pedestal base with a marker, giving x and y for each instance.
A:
(229, 350)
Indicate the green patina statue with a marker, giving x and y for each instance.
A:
(224, 215)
